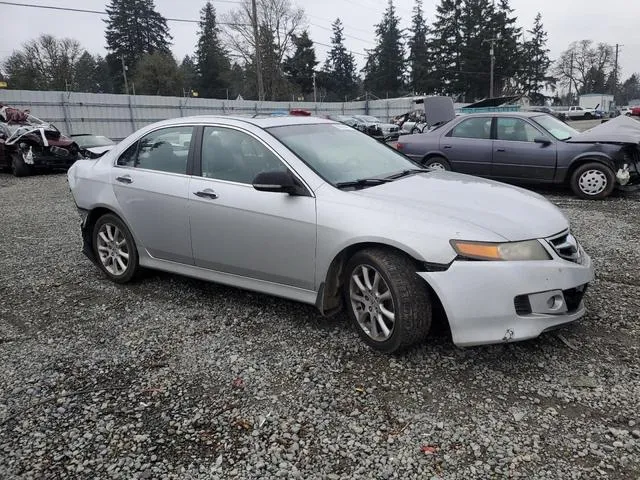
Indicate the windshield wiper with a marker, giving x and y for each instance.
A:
(363, 182)
(406, 173)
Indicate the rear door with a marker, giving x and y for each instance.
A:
(468, 146)
(517, 156)
(151, 185)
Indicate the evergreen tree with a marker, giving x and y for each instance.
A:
(211, 58)
(475, 61)
(445, 46)
(300, 67)
(508, 49)
(339, 76)
(86, 79)
(422, 78)
(384, 71)
(189, 73)
(134, 28)
(157, 74)
(536, 62)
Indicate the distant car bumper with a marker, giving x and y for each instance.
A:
(495, 302)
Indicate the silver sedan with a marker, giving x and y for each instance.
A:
(315, 211)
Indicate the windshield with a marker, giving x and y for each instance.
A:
(90, 141)
(555, 127)
(339, 153)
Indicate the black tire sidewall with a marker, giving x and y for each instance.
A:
(611, 179)
(441, 160)
(398, 339)
(132, 267)
(18, 167)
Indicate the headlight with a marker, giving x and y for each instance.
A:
(527, 250)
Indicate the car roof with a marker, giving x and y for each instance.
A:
(259, 121)
(503, 114)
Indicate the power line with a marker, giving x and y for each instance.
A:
(100, 12)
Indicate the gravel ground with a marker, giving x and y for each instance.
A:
(177, 378)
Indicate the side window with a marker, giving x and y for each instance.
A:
(478, 127)
(164, 150)
(229, 154)
(516, 130)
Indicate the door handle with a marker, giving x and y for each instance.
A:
(500, 150)
(208, 193)
(124, 179)
(446, 146)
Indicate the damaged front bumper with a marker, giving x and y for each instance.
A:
(493, 302)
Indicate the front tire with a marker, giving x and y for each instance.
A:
(588, 116)
(388, 304)
(18, 166)
(114, 249)
(593, 181)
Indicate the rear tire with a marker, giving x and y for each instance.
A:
(593, 181)
(437, 163)
(387, 302)
(18, 167)
(114, 249)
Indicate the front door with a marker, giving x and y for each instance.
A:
(238, 230)
(516, 155)
(151, 185)
(468, 146)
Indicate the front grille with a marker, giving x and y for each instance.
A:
(566, 246)
(573, 297)
(522, 304)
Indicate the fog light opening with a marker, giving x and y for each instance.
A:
(555, 302)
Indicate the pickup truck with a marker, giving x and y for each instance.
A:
(577, 113)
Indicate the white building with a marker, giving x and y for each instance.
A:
(602, 101)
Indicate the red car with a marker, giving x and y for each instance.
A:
(635, 111)
(28, 144)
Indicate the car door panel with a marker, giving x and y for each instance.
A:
(468, 146)
(155, 202)
(262, 235)
(242, 231)
(517, 157)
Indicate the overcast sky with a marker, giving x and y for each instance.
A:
(610, 21)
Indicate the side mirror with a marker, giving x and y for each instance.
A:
(542, 140)
(278, 181)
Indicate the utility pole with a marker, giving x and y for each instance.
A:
(124, 74)
(314, 87)
(492, 41)
(570, 80)
(615, 75)
(256, 39)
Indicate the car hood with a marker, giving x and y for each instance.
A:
(509, 212)
(99, 150)
(620, 129)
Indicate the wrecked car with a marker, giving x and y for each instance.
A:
(28, 144)
(532, 147)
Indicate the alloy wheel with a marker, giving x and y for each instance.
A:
(372, 302)
(113, 249)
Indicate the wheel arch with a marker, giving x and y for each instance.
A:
(432, 154)
(87, 227)
(329, 299)
(588, 158)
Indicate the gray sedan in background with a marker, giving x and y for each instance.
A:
(315, 211)
(533, 147)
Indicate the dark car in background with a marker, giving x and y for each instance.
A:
(532, 147)
(93, 146)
